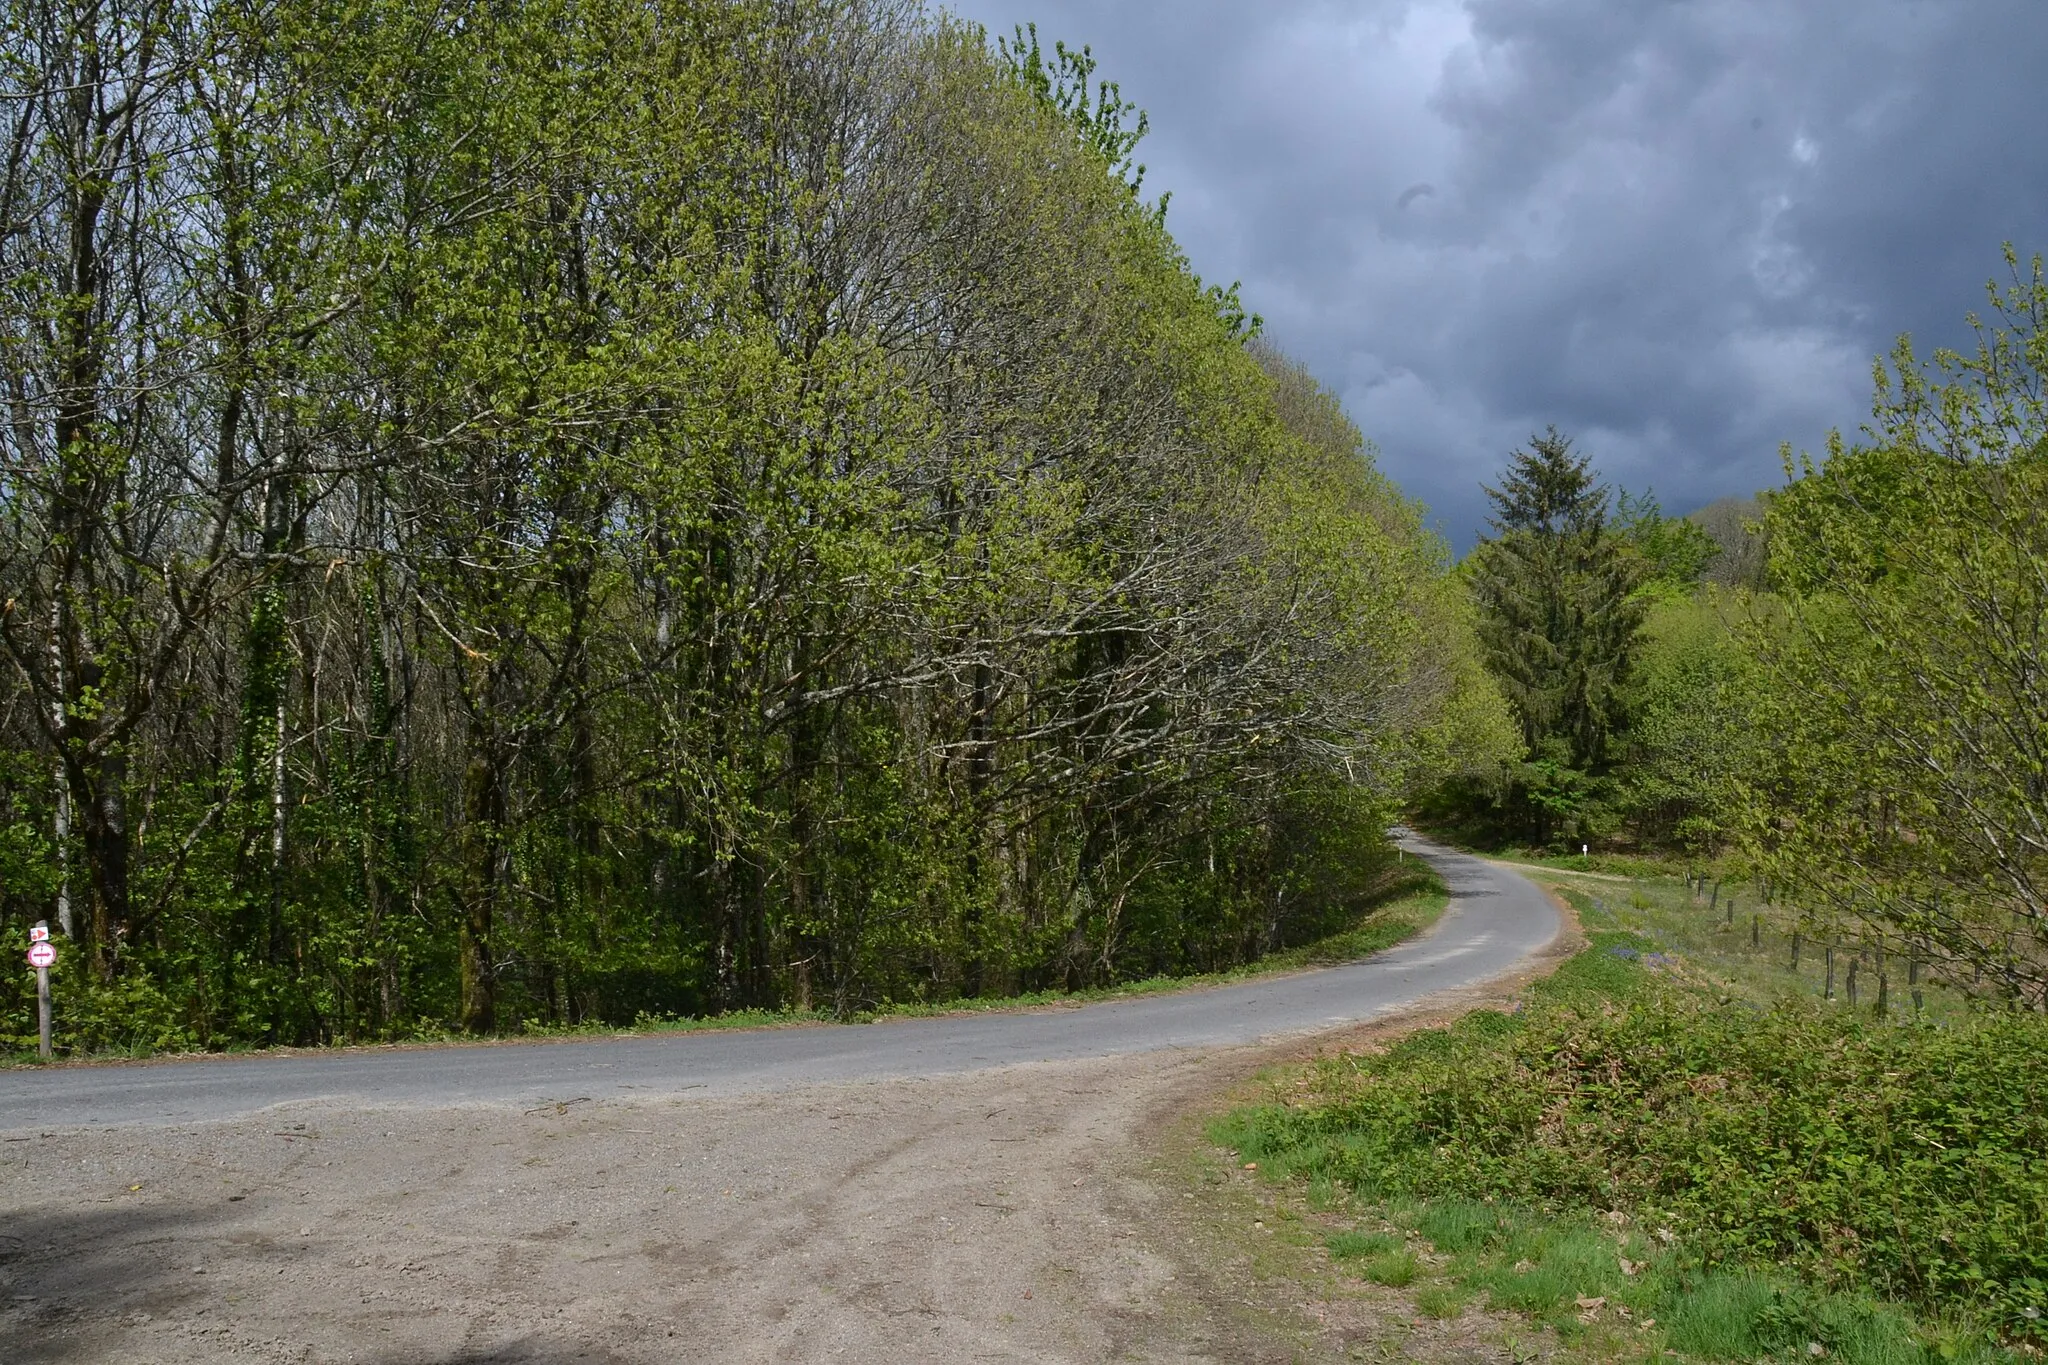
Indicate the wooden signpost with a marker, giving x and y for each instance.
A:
(42, 955)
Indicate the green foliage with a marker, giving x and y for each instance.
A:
(1904, 724)
(1693, 736)
(1904, 1161)
(1675, 550)
(1559, 613)
(1838, 678)
(1109, 124)
(657, 512)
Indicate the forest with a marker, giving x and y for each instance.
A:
(1833, 689)
(527, 515)
(563, 513)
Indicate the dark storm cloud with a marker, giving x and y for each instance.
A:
(1680, 229)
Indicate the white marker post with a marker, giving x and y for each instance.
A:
(42, 955)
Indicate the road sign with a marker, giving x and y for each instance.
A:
(41, 954)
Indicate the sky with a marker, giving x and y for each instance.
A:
(1681, 230)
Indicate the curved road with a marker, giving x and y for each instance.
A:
(1496, 920)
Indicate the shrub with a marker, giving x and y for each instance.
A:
(1907, 1160)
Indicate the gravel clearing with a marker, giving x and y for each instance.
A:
(998, 1216)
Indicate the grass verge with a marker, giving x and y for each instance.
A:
(1375, 931)
(1659, 1153)
(1415, 904)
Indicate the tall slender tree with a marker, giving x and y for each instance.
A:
(1559, 619)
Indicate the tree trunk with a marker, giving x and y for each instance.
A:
(483, 835)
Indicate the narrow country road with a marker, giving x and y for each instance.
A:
(955, 1188)
(1496, 919)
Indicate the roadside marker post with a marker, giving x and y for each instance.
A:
(42, 955)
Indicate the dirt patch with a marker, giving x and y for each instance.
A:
(995, 1216)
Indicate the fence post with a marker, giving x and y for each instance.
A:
(1884, 993)
(1716, 904)
(1829, 992)
(1854, 963)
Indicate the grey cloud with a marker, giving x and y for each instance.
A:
(1680, 229)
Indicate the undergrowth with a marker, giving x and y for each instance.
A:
(1633, 1146)
(1414, 903)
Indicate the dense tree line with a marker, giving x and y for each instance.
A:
(1837, 685)
(528, 513)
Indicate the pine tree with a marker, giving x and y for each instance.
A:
(1559, 618)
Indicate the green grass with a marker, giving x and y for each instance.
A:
(1604, 864)
(1354, 1245)
(1395, 1269)
(1440, 1301)
(1673, 1145)
(1568, 1274)
(1746, 952)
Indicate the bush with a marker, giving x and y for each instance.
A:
(1907, 1160)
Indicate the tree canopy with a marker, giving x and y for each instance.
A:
(519, 514)
(1903, 701)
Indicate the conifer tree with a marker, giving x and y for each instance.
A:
(1559, 620)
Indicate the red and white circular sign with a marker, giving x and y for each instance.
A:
(42, 954)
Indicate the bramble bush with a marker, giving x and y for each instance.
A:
(1908, 1160)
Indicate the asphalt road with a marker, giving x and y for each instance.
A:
(1495, 921)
